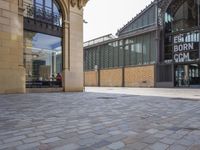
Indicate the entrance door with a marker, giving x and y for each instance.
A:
(182, 76)
(187, 75)
(194, 75)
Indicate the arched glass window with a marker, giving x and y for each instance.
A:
(44, 10)
(182, 14)
(43, 57)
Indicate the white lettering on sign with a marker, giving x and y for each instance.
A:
(183, 47)
(179, 38)
(182, 57)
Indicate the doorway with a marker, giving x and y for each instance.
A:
(43, 56)
(187, 75)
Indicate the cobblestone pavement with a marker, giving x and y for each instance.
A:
(92, 121)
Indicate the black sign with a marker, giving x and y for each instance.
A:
(185, 45)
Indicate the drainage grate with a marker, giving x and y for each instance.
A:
(185, 99)
(106, 98)
(130, 96)
(191, 129)
(185, 128)
(197, 95)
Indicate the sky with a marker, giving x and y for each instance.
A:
(107, 16)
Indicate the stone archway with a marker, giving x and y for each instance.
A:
(73, 46)
(12, 72)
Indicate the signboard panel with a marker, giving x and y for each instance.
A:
(186, 47)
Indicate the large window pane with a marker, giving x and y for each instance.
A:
(116, 55)
(42, 56)
(139, 50)
(106, 58)
(146, 49)
(127, 55)
(39, 2)
(110, 47)
(102, 53)
(153, 48)
(133, 52)
(86, 60)
(48, 3)
(121, 59)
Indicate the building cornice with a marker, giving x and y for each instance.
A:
(79, 3)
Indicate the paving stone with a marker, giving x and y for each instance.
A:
(168, 141)
(102, 137)
(152, 131)
(12, 144)
(86, 148)
(54, 130)
(116, 146)
(147, 149)
(103, 148)
(185, 142)
(22, 133)
(130, 133)
(33, 139)
(44, 147)
(115, 138)
(101, 144)
(159, 146)
(194, 147)
(8, 132)
(13, 139)
(177, 147)
(69, 135)
(137, 146)
(101, 131)
(50, 140)
(28, 146)
(71, 146)
(176, 136)
(84, 128)
(87, 142)
(84, 131)
(87, 135)
(196, 132)
(149, 140)
(117, 132)
(159, 135)
(130, 140)
(36, 134)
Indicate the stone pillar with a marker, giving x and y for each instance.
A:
(73, 51)
(12, 72)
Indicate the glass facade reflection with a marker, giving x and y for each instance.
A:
(42, 59)
(133, 51)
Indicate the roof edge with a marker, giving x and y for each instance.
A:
(137, 16)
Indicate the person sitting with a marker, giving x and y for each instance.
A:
(59, 79)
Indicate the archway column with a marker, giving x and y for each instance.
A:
(12, 72)
(73, 51)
